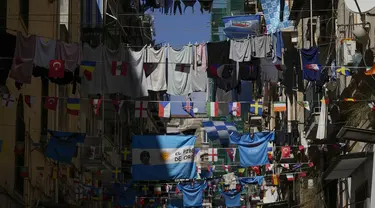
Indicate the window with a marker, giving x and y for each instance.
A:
(20, 137)
(24, 12)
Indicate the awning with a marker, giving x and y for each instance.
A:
(345, 165)
(356, 134)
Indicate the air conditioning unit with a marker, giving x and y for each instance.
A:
(347, 50)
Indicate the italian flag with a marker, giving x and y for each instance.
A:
(213, 109)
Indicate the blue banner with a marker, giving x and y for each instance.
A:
(237, 27)
(253, 149)
(163, 157)
(62, 145)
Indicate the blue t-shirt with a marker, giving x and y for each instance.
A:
(192, 194)
(232, 198)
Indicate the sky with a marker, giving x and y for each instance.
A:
(178, 30)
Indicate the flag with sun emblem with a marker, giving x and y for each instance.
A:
(163, 157)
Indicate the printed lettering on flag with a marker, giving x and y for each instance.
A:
(163, 157)
(56, 68)
(119, 68)
(164, 109)
(141, 109)
(212, 154)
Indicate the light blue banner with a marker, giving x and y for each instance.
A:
(163, 157)
(253, 149)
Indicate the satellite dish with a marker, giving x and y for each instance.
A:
(364, 5)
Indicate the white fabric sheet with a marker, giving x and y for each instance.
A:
(45, 50)
(240, 50)
(157, 80)
(199, 74)
(179, 82)
(97, 84)
(71, 53)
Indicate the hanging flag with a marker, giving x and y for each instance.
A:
(116, 173)
(325, 101)
(256, 108)
(212, 155)
(256, 170)
(304, 104)
(343, 71)
(350, 99)
(218, 129)
(226, 168)
(51, 103)
(55, 171)
(235, 108)
(231, 153)
(279, 106)
(290, 177)
(302, 174)
(310, 63)
(285, 165)
(73, 106)
(269, 167)
(370, 70)
(164, 109)
(372, 106)
(117, 104)
(213, 109)
(20, 147)
(188, 107)
(241, 171)
(285, 152)
(157, 189)
(40, 170)
(29, 100)
(8, 100)
(163, 157)
(126, 154)
(252, 148)
(145, 189)
(87, 68)
(321, 132)
(96, 103)
(2, 146)
(119, 68)
(141, 109)
(56, 68)
(270, 150)
(24, 171)
(275, 180)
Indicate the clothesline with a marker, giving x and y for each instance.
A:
(350, 100)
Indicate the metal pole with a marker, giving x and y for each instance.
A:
(311, 25)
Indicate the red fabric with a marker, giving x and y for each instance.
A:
(51, 103)
(56, 68)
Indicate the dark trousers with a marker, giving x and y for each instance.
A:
(177, 4)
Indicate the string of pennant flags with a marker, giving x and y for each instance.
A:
(73, 105)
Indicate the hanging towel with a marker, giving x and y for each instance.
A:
(70, 53)
(199, 74)
(156, 59)
(180, 65)
(240, 50)
(45, 50)
(22, 68)
(136, 83)
(97, 84)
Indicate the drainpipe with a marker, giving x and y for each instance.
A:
(57, 95)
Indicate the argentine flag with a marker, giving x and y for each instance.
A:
(163, 157)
